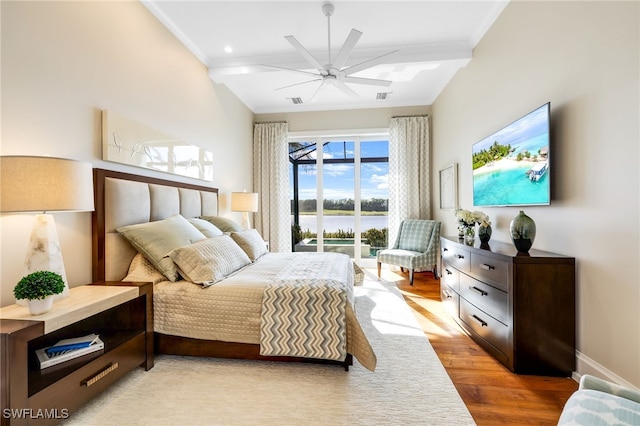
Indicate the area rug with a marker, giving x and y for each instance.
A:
(409, 386)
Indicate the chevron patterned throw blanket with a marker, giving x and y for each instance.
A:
(304, 309)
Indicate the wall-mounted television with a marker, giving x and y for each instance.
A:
(511, 167)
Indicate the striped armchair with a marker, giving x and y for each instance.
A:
(417, 247)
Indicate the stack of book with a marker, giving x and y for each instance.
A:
(69, 349)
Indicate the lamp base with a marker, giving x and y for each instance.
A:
(43, 253)
(246, 224)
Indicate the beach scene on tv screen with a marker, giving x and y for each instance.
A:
(511, 167)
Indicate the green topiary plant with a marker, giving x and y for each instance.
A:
(39, 285)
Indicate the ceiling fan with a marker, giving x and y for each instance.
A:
(335, 73)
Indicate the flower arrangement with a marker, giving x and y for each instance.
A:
(469, 219)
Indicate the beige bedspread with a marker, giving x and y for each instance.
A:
(230, 310)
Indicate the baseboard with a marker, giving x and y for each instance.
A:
(586, 365)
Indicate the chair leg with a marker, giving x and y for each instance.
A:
(410, 276)
(435, 272)
(379, 266)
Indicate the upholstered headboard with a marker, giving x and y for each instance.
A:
(126, 199)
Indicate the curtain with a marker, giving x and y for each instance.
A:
(271, 182)
(409, 176)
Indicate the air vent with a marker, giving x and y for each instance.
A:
(295, 101)
(383, 95)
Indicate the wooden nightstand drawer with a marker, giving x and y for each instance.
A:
(490, 299)
(91, 379)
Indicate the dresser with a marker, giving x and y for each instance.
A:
(519, 308)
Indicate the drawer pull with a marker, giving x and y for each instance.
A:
(483, 323)
(446, 293)
(487, 267)
(448, 271)
(478, 290)
(108, 369)
(445, 249)
(460, 256)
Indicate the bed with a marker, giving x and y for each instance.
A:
(295, 307)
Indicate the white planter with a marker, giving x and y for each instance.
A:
(40, 306)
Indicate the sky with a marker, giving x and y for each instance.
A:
(338, 179)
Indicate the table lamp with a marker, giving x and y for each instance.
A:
(45, 184)
(244, 202)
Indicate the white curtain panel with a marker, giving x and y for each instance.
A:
(409, 176)
(271, 182)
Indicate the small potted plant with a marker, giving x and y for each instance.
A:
(38, 289)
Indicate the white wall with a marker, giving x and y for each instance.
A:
(62, 62)
(583, 57)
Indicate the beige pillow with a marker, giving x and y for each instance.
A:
(209, 261)
(223, 224)
(156, 239)
(141, 270)
(251, 242)
(207, 228)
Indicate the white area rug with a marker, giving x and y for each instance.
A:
(409, 387)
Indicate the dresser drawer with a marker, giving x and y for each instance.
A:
(450, 300)
(450, 276)
(455, 256)
(490, 299)
(484, 325)
(490, 269)
(88, 381)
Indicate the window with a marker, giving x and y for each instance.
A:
(343, 192)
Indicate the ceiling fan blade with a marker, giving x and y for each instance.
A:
(347, 48)
(305, 53)
(298, 84)
(368, 63)
(315, 74)
(369, 81)
(319, 90)
(344, 88)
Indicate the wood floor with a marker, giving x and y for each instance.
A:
(491, 392)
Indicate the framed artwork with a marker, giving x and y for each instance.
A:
(449, 187)
(128, 142)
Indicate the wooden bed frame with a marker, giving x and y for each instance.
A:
(166, 344)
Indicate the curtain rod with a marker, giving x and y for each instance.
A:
(410, 116)
(270, 122)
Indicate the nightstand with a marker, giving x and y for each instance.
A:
(120, 313)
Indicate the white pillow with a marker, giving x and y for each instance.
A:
(251, 242)
(209, 261)
(156, 239)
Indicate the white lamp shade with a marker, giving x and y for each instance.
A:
(244, 201)
(45, 184)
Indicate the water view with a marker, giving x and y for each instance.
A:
(345, 223)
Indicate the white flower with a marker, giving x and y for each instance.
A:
(468, 218)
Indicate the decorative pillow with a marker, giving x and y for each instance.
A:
(156, 239)
(207, 228)
(222, 223)
(209, 261)
(141, 270)
(251, 242)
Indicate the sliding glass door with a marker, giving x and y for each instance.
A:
(342, 192)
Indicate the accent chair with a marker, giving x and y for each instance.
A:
(417, 247)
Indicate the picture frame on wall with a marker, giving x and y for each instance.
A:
(449, 187)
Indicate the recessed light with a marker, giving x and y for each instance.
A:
(228, 49)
